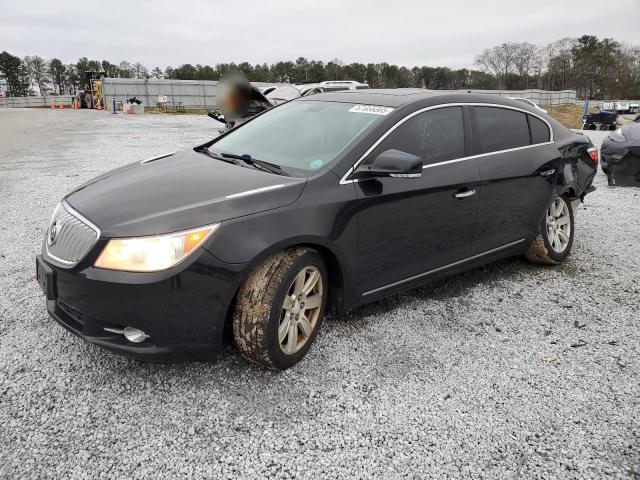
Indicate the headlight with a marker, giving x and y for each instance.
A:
(151, 254)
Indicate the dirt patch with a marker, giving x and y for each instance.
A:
(568, 115)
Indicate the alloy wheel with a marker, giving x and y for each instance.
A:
(300, 310)
(558, 225)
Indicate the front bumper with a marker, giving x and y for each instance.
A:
(184, 314)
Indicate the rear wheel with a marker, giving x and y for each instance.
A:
(554, 240)
(280, 308)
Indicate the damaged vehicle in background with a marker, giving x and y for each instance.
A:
(264, 98)
(322, 203)
(260, 99)
(621, 155)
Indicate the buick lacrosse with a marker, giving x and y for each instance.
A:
(323, 203)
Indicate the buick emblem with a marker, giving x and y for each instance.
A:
(53, 231)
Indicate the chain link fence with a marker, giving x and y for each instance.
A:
(37, 101)
(201, 94)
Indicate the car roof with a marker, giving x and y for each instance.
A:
(396, 97)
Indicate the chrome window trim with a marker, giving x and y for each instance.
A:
(435, 270)
(82, 218)
(345, 178)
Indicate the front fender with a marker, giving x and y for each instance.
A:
(323, 218)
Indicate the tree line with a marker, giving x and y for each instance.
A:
(597, 68)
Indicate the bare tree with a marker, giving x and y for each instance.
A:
(126, 69)
(627, 71)
(499, 61)
(559, 63)
(539, 63)
(334, 69)
(57, 71)
(523, 60)
(139, 70)
(37, 68)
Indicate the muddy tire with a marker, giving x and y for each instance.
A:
(554, 240)
(279, 308)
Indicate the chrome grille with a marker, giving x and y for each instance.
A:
(69, 236)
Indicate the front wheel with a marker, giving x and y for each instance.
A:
(280, 307)
(553, 242)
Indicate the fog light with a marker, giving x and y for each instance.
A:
(134, 335)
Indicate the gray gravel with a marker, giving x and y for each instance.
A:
(508, 371)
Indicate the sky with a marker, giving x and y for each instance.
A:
(412, 32)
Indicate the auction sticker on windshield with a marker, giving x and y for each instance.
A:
(375, 109)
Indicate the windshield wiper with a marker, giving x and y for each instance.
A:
(268, 166)
(209, 153)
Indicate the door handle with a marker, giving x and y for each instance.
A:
(465, 194)
(548, 173)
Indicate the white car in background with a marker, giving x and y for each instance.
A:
(529, 102)
(330, 86)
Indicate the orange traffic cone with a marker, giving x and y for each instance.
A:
(52, 105)
(60, 106)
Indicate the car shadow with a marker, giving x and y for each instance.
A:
(456, 286)
(166, 376)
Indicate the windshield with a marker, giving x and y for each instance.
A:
(301, 135)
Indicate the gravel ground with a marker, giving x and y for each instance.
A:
(508, 371)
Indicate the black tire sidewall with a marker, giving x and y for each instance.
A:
(280, 359)
(553, 255)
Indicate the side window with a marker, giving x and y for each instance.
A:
(435, 136)
(539, 130)
(500, 129)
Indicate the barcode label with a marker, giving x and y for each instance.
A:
(374, 109)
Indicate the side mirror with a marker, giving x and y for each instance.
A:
(391, 163)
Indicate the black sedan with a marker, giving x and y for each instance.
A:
(325, 202)
(621, 155)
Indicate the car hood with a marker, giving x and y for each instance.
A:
(184, 190)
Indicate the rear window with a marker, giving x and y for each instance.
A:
(539, 130)
(500, 129)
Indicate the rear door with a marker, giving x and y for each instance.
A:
(517, 165)
(408, 227)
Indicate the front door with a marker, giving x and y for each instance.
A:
(408, 227)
